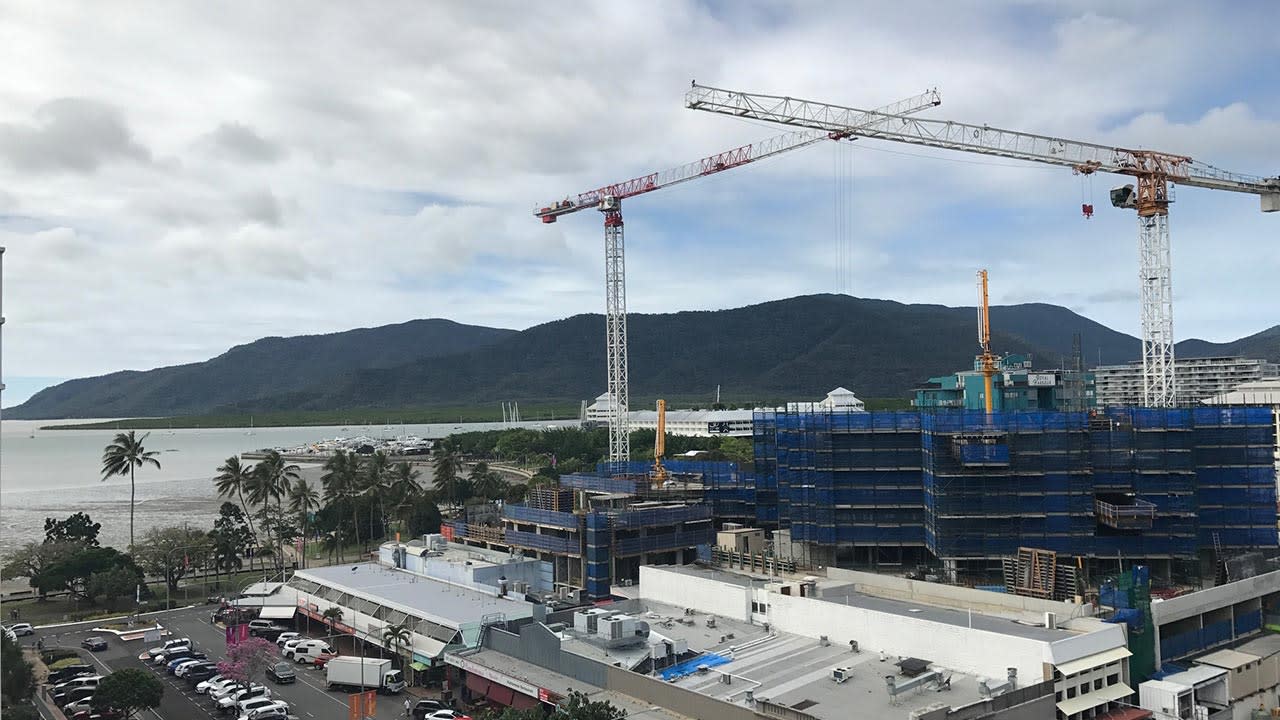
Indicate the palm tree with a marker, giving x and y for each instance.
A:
(272, 479)
(397, 636)
(445, 468)
(303, 500)
(332, 615)
(232, 479)
(122, 457)
(376, 483)
(339, 481)
(404, 487)
(486, 483)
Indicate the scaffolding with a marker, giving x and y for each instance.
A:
(994, 483)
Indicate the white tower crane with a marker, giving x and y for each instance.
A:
(1155, 171)
(608, 200)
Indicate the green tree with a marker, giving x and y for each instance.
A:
(78, 529)
(112, 584)
(486, 483)
(233, 479)
(304, 500)
(129, 691)
(516, 493)
(377, 482)
(272, 479)
(404, 489)
(72, 572)
(124, 456)
(33, 560)
(17, 681)
(171, 552)
(332, 615)
(577, 706)
(340, 487)
(229, 539)
(446, 468)
(396, 636)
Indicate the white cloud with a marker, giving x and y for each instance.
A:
(198, 177)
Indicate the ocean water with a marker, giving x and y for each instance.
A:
(54, 473)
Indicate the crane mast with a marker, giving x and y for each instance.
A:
(1154, 172)
(984, 342)
(608, 200)
(659, 473)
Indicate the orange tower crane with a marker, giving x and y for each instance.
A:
(984, 341)
(1154, 172)
(608, 200)
(659, 473)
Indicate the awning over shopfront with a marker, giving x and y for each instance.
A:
(278, 612)
(420, 667)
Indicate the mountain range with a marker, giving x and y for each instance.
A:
(796, 348)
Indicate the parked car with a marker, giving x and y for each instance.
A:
(72, 708)
(230, 700)
(307, 650)
(213, 685)
(323, 659)
(94, 643)
(97, 715)
(185, 667)
(169, 646)
(199, 673)
(265, 628)
(286, 637)
(447, 715)
(61, 675)
(171, 664)
(425, 707)
(20, 629)
(66, 697)
(245, 709)
(177, 655)
(282, 672)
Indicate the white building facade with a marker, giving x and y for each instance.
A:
(1194, 379)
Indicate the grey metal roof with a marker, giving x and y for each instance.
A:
(449, 605)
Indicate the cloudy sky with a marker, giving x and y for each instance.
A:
(178, 178)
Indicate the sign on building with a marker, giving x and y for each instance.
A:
(1041, 380)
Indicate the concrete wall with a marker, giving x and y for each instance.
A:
(1034, 702)
(686, 702)
(539, 646)
(1210, 599)
(929, 593)
(707, 595)
(979, 652)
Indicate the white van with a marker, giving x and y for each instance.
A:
(308, 650)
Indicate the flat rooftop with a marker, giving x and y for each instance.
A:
(1264, 646)
(671, 622)
(453, 552)
(447, 604)
(841, 593)
(563, 684)
(796, 672)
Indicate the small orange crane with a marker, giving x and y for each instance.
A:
(659, 473)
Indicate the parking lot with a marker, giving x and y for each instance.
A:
(307, 697)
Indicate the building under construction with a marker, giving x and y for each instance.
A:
(966, 488)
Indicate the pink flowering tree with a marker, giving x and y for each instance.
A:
(247, 659)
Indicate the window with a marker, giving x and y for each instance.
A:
(1113, 679)
(1097, 684)
(1071, 692)
(1057, 696)
(1084, 688)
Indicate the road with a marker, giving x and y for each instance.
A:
(307, 697)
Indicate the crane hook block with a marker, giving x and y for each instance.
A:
(1087, 208)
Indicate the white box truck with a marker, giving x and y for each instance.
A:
(355, 673)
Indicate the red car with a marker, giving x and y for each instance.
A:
(323, 658)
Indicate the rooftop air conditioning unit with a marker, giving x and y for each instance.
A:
(841, 674)
(628, 582)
